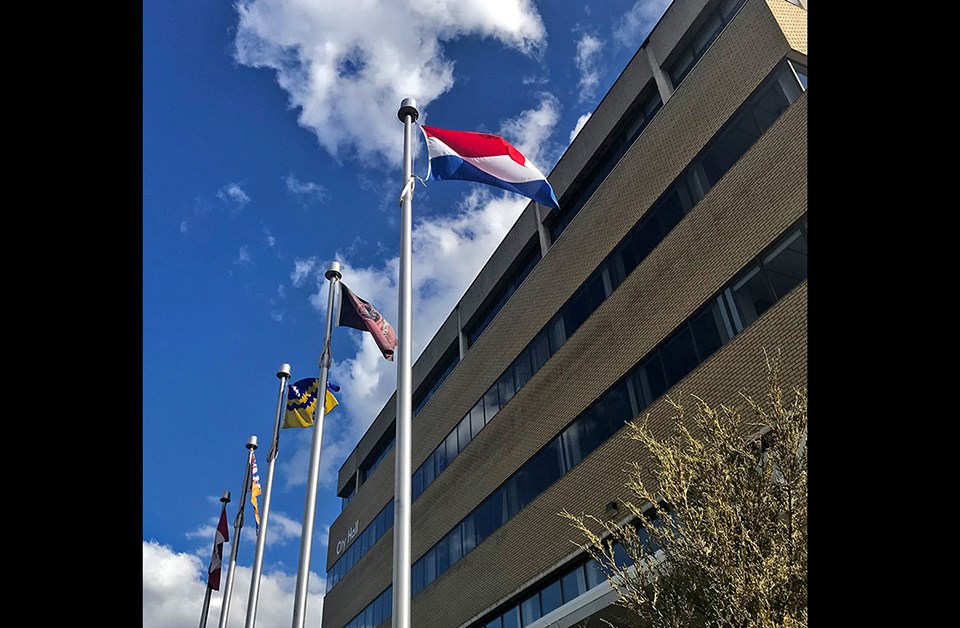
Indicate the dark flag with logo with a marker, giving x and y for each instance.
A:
(356, 313)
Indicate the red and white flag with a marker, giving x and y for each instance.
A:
(216, 561)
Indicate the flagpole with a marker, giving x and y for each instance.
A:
(283, 374)
(224, 499)
(237, 525)
(313, 477)
(408, 114)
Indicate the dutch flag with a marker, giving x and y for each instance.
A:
(485, 158)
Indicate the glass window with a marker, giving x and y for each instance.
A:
(416, 487)
(771, 102)
(530, 610)
(753, 295)
(468, 534)
(540, 351)
(440, 459)
(494, 623)
(364, 542)
(428, 472)
(786, 265)
(594, 575)
(368, 616)
(573, 584)
(620, 557)
(729, 145)
(476, 419)
(521, 369)
(463, 432)
(491, 404)
(542, 470)
(429, 567)
(679, 355)
(505, 385)
(556, 334)
(455, 547)
(416, 577)
(443, 557)
(511, 619)
(378, 610)
(550, 597)
(451, 446)
(709, 332)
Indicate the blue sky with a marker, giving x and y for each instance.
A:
(271, 147)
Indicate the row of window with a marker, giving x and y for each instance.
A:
(375, 613)
(705, 36)
(756, 115)
(747, 296)
(614, 147)
(562, 586)
(361, 545)
(532, 259)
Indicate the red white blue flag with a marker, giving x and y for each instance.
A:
(485, 158)
(216, 561)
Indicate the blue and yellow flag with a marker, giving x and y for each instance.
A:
(255, 489)
(302, 402)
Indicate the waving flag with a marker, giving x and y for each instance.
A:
(485, 158)
(356, 313)
(255, 489)
(216, 561)
(302, 402)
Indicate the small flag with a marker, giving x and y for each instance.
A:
(302, 402)
(255, 489)
(213, 573)
(485, 158)
(356, 313)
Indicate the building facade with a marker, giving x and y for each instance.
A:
(679, 254)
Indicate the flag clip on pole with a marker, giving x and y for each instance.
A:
(408, 114)
(313, 476)
(283, 374)
(215, 559)
(237, 525)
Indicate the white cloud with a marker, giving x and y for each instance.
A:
(588, 49)
(530, 133)
(309, 190)
(636, 24)
(174, 584)
(243, 256)
(346, 71)
(183, 227)
(582, 120)
(282, 291)
(277, 315)
(268, 238)
(302, 269)
(233, 192)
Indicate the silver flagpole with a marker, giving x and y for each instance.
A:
(313, 477)
(224, 499)
(284, 375)
(237, 525)
(408, 114)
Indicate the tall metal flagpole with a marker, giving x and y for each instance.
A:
(408, 114)
(237, 525)
(313, 477)
(224, 499)
(283, 374)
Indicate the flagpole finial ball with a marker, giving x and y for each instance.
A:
(225, 498)
(333, 271)
(252, 443)
(408, 107)
(284, 371)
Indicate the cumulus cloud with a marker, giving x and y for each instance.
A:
(174, 585)
(347, 71)
(243, 255)
(232, 192)
(268, 238)
(636, 24)
(530, 132)
(183, 227)
(302, 270)
(588, 50)
(308, 191)
(582, 120)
